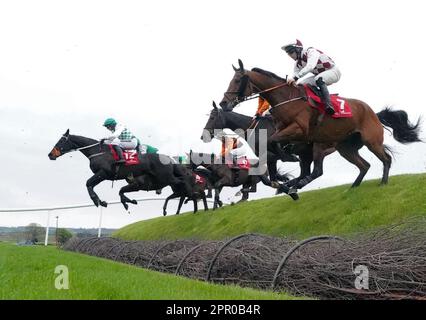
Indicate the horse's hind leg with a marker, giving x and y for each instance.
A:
(350, 153)
(203, 196)
(194, 199)
(380, 151)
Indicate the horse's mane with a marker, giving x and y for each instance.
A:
(268, 73)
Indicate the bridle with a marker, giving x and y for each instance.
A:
(243, 85)
(67, 139)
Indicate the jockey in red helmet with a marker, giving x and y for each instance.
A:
(310, 60)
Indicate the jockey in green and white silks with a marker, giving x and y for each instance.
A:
(121, 137)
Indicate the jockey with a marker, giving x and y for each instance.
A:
(120, 139)
(262, 107)
(311, 60)
(238, 148)
(235, 147)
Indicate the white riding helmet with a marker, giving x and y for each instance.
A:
(291, 46)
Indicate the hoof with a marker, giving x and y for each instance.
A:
(293, 194)
(282, 189)
(103, 204)
(133, 202)
(164, 213)
(126, 206)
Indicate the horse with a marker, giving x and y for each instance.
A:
(297, 121)
(199, 185)
(221, 175)
(219, 119)
(154, 171)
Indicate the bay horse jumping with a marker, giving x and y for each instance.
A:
(297, 121)
(155, 171)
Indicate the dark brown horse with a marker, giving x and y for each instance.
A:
(296, 121)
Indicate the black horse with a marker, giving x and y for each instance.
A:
(155, 171)
(221, 175)
(198, 192)
(220, 119)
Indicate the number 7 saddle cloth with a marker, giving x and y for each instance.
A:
(340, 105)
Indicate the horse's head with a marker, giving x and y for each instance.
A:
(238, 88)
(63, 146)
(215, 121)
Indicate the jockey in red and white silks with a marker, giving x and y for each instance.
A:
(323, 69)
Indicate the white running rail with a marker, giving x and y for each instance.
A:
(75, 206)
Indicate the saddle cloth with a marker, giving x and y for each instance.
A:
(199, 179)
(131, 156)
(243, 164)
(341, 106)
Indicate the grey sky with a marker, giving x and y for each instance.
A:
(157, 65)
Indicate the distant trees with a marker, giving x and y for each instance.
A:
(33, 232)
(63, 236)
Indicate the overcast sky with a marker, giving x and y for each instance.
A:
(157, 65)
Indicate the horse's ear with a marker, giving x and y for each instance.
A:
(67, 133)
(235, 69)
(241, 65)
(214, 105)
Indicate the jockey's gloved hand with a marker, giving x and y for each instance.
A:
(291, 81)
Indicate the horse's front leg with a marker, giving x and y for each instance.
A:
(135, 186)
(292, 132)
(319, 152)
(92, 183)
(181, 200)
(217, 189)
(305, 169)
(172, 196)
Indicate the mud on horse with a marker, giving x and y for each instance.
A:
(297, 121)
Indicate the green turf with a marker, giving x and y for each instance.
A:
(28, 273)
(337, 210)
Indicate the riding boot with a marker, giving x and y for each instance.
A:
(119, 154)
(325, 96)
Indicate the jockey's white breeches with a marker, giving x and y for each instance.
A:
(126, 145)
(329, 76)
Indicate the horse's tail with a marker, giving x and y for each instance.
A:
(403, 130)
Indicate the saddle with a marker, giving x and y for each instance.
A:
(130, 156)
(313, 96)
